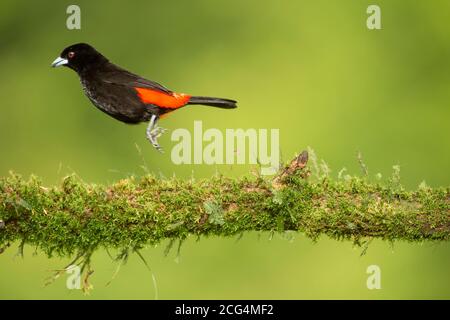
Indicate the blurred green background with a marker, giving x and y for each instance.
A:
(310, 68)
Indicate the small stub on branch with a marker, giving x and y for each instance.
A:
(297, 164)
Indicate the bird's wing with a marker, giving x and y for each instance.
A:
(149, 92)
(117, 75)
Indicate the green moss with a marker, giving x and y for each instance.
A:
(77, 218)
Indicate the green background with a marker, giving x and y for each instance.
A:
(310, 68)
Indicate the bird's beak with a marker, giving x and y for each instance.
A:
(59, 62)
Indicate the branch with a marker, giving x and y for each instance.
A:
(78, 218)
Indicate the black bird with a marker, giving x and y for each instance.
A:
(126, 96)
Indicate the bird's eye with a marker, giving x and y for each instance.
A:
(71, 54)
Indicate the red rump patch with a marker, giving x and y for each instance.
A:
(162, 99)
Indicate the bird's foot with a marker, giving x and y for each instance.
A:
(158, 132)
(153, 136)
(154, 141)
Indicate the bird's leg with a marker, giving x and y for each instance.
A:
(154, 132)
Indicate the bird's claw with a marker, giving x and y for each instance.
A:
(159, 148)
(158, 132)
(153, 138)
(154, 141)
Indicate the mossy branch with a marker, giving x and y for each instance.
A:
(77, 218)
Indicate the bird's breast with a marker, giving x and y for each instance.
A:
(92, 93)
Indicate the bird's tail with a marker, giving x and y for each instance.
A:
(213, 102)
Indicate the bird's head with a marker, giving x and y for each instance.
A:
(79, 57)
